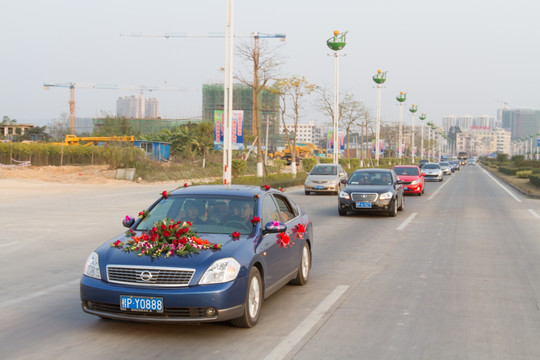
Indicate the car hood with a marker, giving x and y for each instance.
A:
(431, 171)
(408, 177)
(204, 258)
(369, 188)
(322, 178)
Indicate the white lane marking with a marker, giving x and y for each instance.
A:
(534, 213)
(501, 185)
(406, 222)
(9, 244)
(439, 189)
(37, 294)
(305, 326)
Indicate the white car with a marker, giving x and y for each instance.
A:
(445, 166)
(433, 171)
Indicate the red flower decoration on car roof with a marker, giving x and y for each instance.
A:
(165, 194)
(266, 187)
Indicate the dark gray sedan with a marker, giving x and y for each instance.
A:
(372, 190)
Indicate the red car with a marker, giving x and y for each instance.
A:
(412, 177)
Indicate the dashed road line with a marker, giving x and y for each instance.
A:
(534, 213)
(305, 326)
(406, 222)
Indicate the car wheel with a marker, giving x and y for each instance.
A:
(422, 190)
(441, 179)
(342, 212)
(253, 303)
(392, 211)
(402, 207)
(307, 192)
(304, 267)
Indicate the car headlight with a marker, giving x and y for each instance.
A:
(386, 195)
(221, 271)
(417, 181)
(344, 195)
(91, 267)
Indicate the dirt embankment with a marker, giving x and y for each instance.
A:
(61, 174)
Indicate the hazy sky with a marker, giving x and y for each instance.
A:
(451, 57)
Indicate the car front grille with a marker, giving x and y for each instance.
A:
(319, 181)
(364, 196)
(149, 275)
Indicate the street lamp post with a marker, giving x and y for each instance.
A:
(228, 94)
(401, 98)
(336, 43)
(422, 117)
(412, 109)
(379, 79)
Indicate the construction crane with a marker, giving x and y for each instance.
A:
(255, 35)
(505, 104)
(82, 85)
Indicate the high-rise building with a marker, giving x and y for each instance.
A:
(137, 107)
(269, 110)
(151, 110)
(521, 122)
(306, 133)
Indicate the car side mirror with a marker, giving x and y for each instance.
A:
(423, 174)
(399, 181)
(274, 227)
(343, 181)
(128, 221)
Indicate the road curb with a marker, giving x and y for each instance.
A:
(521, 191)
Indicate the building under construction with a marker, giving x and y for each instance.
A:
(243, 100)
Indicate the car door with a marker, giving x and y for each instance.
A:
(274, 256)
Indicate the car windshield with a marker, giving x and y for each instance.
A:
(407, 171)
(444, 164)
(432, 166)
(324, 170)
(370, 178)
(211, 214)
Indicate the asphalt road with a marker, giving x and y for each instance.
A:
(453, 276)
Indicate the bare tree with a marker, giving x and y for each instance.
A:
(293, 90)
(265, 66)
(59, 128)
(352, 112)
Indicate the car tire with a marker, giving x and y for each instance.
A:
(342, 212)
(422, 191)
(402, 207)
(441, 179)
(392, 211)
(305, 266)
(307, 192)
(253, 303)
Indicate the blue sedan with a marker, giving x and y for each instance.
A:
(200, 254)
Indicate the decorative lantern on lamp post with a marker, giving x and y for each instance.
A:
(336, 43)
(412, 109)
(379, 79)
(422, 117)
(401, 99)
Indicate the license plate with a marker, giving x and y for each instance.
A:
(141, 303)
(363, 204)
(319, 187)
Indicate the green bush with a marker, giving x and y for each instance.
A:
(535, 180)
(523, 174)
(524, 168)
(507, 170)
(350, 164)
(327, 160)
(308, 164)
(278, 165)
(238, 167)
(536, 171)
